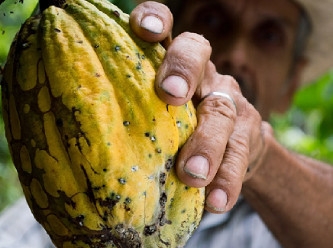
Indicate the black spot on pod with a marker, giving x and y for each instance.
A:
(169, 164)
(149, 230)
(116, 13)
(163, 178)
(163, 199)
(79, 219)
(138, 66)
(125, 237)
(126, 123)
(122, 180)
(59, 122)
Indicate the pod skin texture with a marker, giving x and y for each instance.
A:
(93, 145)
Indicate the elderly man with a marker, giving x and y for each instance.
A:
(267, 47)
(269, 196)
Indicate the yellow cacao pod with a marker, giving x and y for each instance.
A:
(93, 145)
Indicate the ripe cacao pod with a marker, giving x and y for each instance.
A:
(93, 145)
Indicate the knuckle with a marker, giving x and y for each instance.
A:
(186, 57)
(218, 107)
(196, 38)
(195, 45)
(230, 82)
(239, 157)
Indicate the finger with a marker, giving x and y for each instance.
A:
(151, 21)
(244, 147)
(201, 156)
(183, 68)
(224, 190)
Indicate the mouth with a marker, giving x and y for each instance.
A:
(248, 89)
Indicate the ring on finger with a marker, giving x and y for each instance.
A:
(221, 94)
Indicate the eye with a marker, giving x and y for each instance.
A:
(211, 19)
(269, 34)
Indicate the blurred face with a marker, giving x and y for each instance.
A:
(252, 40)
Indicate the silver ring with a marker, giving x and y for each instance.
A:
(222, 94)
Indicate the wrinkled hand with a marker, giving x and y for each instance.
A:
(228, 143)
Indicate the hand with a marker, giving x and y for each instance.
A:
(229, 138)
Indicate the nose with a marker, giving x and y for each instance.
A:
(235, 58)
(231, 57)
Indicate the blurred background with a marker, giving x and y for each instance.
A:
(306, 128)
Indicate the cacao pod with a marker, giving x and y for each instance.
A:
(93, 145)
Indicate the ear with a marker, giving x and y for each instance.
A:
(292, 84)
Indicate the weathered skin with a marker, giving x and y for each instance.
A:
(93, 145)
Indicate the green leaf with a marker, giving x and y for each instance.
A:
(13, 14)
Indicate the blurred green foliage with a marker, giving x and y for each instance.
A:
(13, 13)
(307, 127)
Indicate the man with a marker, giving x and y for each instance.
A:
(263, 44)
(285, 198)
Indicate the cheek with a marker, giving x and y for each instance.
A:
(264, 98)
(271, 85)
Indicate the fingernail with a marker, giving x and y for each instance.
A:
(152, 24)
(217, 200)
(175, 86)
(197, 167)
